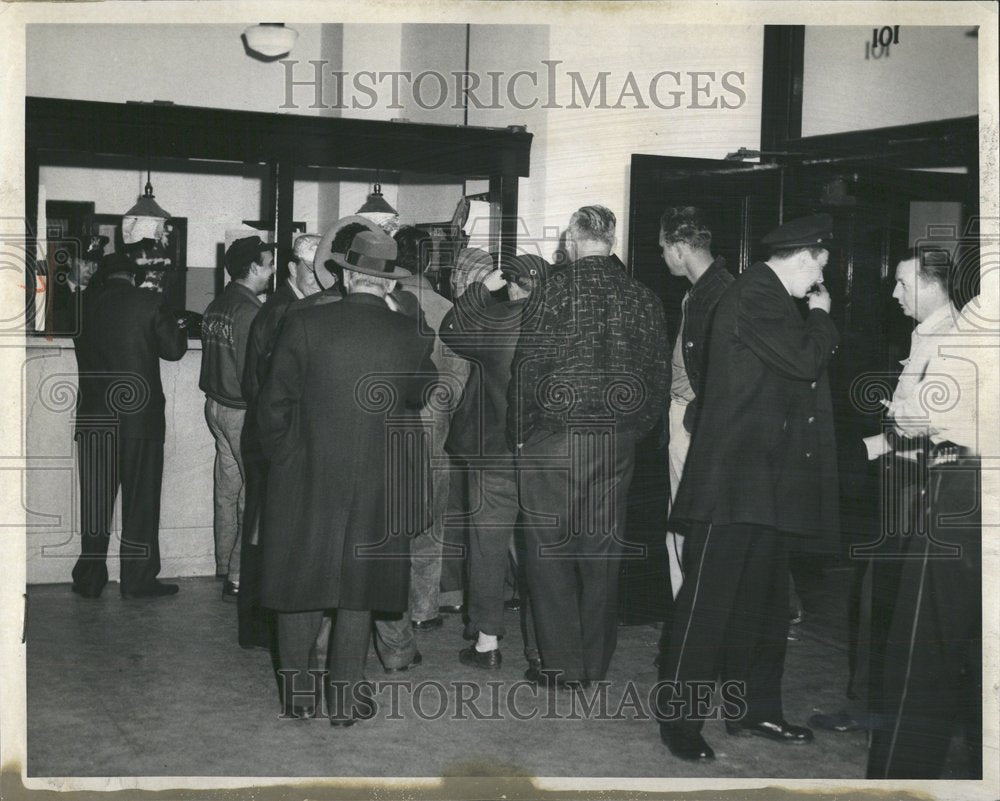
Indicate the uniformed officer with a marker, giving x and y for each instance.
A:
(761, 472)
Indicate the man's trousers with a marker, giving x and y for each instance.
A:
(731, 619)
(107, 462)
(573, 488)
(932, 680)
(226, 425)
(300, 683)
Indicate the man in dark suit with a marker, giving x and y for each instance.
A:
(120, 428)
(761, 470)
(254, 628)
(685, 241)
(348, 481)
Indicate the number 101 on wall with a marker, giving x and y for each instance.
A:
(885, 36)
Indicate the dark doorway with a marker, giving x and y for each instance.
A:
(885, 189)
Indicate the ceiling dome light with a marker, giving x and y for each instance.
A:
(270, 39)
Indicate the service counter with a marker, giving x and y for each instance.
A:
(50, 487)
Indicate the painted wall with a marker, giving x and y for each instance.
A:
(931, 74)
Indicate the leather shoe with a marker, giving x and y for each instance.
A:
(486, 660)
(158, 589)
(417, 659)
(781, 731)
(426, 625)
(86, 592)
(230, 591)
(685, 743)
(451, 609)
(512, 604)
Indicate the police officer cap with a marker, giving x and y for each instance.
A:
(815, 231)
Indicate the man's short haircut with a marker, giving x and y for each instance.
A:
(594, 222)
(241, 271)
(345, 236)
(305, 247)
(933, 264)
(353, 279)
(413, 249)
(787, 253)
(686, 224)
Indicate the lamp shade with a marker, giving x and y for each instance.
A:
(270, 39)
(377, 209)
(146, 206)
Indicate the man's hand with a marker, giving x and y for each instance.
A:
(818, 298)
(495, 281)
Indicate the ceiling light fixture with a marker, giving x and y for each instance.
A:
(270, 39)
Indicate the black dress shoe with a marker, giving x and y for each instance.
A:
(451, 609)
(417, 659)
(486, 660)
(86, 592)
(512, 605)
(158, 589)
(781, 731)
(685, 743)
(230, 591)
(426, 625)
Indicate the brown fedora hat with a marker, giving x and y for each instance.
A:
(372, 253)
(324, 254)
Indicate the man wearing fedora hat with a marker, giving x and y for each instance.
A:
(225, 329)
(339, 425)
(761, 474)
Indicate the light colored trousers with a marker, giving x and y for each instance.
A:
(680, 441)
(226, 425)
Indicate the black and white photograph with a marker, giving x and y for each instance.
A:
(518, 398)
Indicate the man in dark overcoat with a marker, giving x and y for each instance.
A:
(761, 471)
(120, 428)
(303, 281)
(339, 424)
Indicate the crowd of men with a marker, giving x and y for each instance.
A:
(358, 409)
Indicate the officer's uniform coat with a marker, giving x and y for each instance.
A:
(764, 450)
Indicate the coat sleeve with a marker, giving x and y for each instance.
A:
(171, 339)
(421, 382)
(534, 359)
(777, 335)
(657, 370)
(281, 390)
(245, 316)
(250, 382)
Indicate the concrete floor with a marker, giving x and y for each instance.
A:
(160, 688)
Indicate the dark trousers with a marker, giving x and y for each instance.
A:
(494, 506)
(256, 624)
(932, 681)
(107, 462)
(731, 619)
(573, 489)
(345, 663)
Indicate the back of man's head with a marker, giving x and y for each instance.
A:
(685, 224)
(594, 225)
(414, 249)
